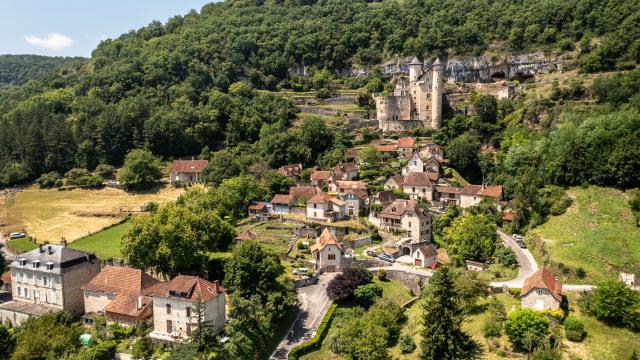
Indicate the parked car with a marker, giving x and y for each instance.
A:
(300, 271)
(370, 253)
(17, 235)
(522, 244)
(386, 257)
(516, 236)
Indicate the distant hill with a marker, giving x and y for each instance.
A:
(18, 69)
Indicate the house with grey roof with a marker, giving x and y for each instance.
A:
(48, 278)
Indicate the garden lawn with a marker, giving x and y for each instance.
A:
(21, 245)
(597, 233)
(105, 243)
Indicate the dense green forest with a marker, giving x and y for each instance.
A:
(188, 84)
(18, 69)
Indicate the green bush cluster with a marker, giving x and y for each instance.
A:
(573, 329)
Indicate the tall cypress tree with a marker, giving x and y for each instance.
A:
(442, 334)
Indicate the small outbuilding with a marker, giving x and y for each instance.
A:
(541, 291)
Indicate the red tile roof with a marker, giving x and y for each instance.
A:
(386, 148)
(326, 238)
(246, 235)
(481, 190)
(543, 279)
(405, 142)
(320, 175)
(324, 198)
(417, 179)
(449, 190)
(347, 167)
(257, 206)
(187, 287)
(113, 279)
(291, 170)
(282, 199)
(303, 192)
(357, 192)
(398, 179)
(428, 250)
(188, 166)
(400, 206)
(351, 184)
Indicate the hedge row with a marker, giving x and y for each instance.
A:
(314, 344)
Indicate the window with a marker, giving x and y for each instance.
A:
(45, 280)
(54, 299)
(188, 328)
(49, 266)
(409, 223)
(332, 256)
(35, 264)
(169, 326)
(188, 310)
(23, 262)
(168, 308)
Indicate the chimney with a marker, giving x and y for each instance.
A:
(139, 303)
(64, 242)
(193, 158)
(40, 248)
(50, 249)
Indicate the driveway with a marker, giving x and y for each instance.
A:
(8, 254)
(526, 263)
(314, 304)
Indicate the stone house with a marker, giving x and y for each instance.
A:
(419, 163)
(303, 193)
(383, 198)
(320, 177)
(341, 187)
(325, 207)
(407, 216)
(419, 186)
(354, 199)
(291, 171)
(415, 102)
(541, 291)
(425, 255)
(187, 170)
(345, 171)
(472, 195)
(448, 195)
(387, 151)
(281, 204)
(405, 144)
(117, 293)
(394, 182)
(173, 306)
(327, 252)
(257, 208)
(48, 278)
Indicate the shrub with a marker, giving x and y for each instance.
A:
(49, 180)
(366, 294)
(573, 329)
(323, 93)
(105, 171)
(406, 344)
(523, 323)
(515, 292)
(382, 275)
(343, 285)
(581, 273)
(492, 328)
(506, 257)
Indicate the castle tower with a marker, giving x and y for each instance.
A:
(436, 93)
(415, 69)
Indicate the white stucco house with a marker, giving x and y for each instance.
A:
(173, 306)
(541, 291)
(408, 217)
(425, 255)
(327, 252)
(325, 207)
(187, 170)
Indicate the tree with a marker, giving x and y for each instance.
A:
(7, 343)
(343, 285)
(526, 328)
(49, 336)
(222, 165)
(472, 237)
(234, 195)
(486, 107)
(370, 155)
(367, 294)
(142, 349)
(497, 316)
(276, 183)
(470, 288)
(185, 352)
(613, 302)
(462, 153)
(634, 204)
(573, 328)
(141, 169)
(49, 180)
(354, 343)
(442, 315)
(106, 171)
(175, 239)
(202, 330)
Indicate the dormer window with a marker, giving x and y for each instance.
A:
(35, 264)
(23, 261)
(49, 266)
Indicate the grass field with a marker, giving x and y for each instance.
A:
(49, 215)
(21, 245)
(105, 243)
(596, 233)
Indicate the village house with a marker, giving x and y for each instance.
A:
(448, 195)
(281, 204)
(419, 186)
(173, 307)
(405, 144)
(415, 102)
(117, 293)
(425, 255)
(291, 171)
(303, 193)
(340, 187)
(345, 171)
(258, 208)
(407, 216)
(48, 278)
(471, 265)
(394, 182)
(354, 199)
(383, 198)
(187, 170)
(541, 291)
(327, 252)
(472, 195)
(325, 207)
(387, 151)
(351, 155)
(320, 177)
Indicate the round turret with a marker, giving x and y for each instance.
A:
(415, 69)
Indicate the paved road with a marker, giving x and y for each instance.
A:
(8, 254)
(314, 304)
(526, 261)
(404, 268)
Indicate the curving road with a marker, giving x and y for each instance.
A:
(526, 263)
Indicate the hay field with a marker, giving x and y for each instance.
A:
(52, 214)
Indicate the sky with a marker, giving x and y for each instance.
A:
(76, 27)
